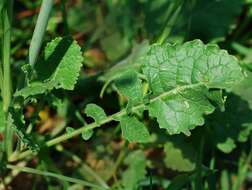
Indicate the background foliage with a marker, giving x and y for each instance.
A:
(128, 95)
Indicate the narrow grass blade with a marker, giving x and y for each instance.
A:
(54, 175)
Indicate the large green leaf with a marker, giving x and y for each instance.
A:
(60, 68)
(170, 66)
(180, 77)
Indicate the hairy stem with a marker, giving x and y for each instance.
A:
(114, 117)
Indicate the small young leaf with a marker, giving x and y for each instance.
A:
(86, 135)
(69, 130)
(96, 112)
(133, 130)
(226, 146)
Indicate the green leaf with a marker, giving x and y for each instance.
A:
(86, 135)
(179, 77)
(227, 146)
(96, 112)
(136, 171)
(130, 86)
(66, 55)
(133, 130)
(69, 130)
(16, 122)
(60, 68)
(183, 111)
(34, 88)
(170, 66)
(180, 155)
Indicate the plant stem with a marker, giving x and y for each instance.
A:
(39, 30)
(1, 80)
(6, 56)
(6, 74)
(110, 118)
(54, 175)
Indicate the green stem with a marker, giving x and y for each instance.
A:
(1, 80)
(110, 118)
(6, 56)
(54, 175)
(6, 74)
(39, 30)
